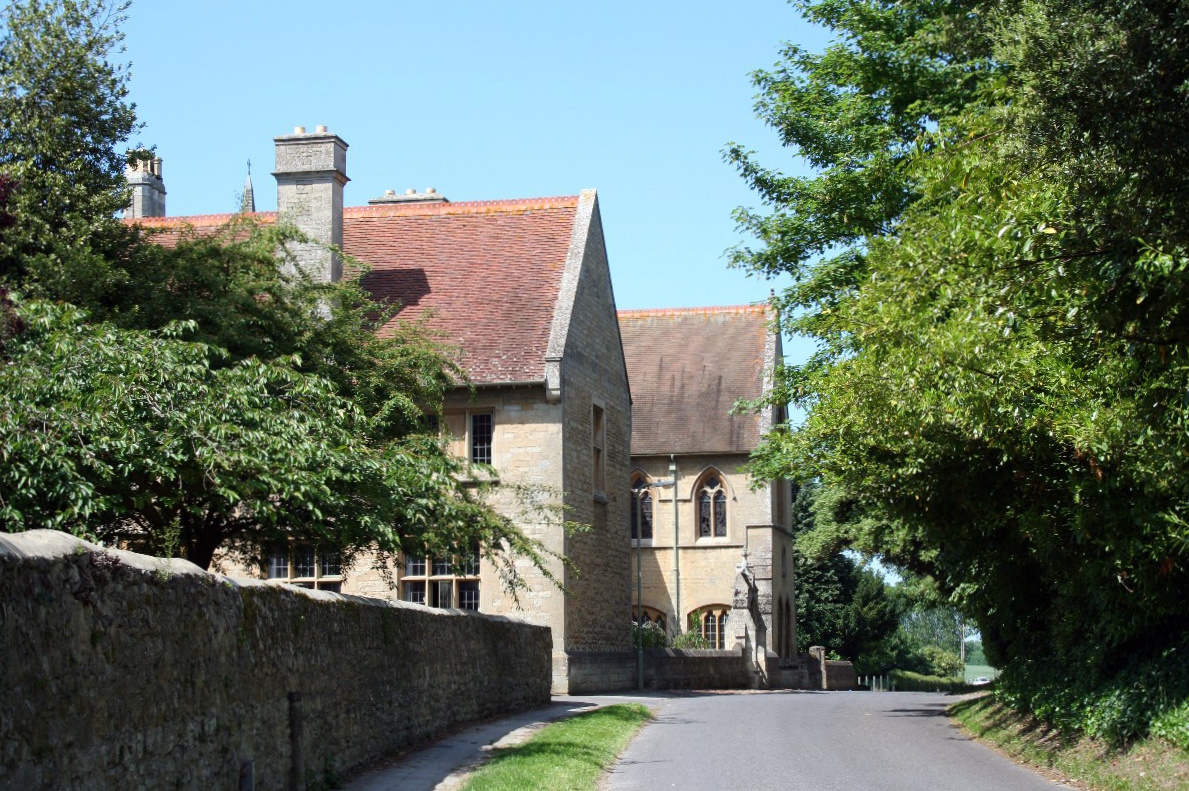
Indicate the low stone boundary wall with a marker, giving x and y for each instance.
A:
(664, 668)
(676, 668)
(601, 671)
(124, 671)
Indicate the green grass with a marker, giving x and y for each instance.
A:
(974, 671)
(565, 756)
(1151, 764)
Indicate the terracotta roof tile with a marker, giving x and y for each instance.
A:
(687, 367)
(488, 271)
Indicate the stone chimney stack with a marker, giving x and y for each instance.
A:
(148, 189)
(311, 171)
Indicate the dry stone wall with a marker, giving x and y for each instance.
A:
(123, 671)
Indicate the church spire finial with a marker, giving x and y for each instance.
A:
(248, 203)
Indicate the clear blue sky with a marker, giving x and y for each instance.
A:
(482, 101)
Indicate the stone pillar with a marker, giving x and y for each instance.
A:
(311, 170)
(148, 188)
(818, 654)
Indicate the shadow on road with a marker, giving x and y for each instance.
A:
(930, 710)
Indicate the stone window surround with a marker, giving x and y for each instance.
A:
(721, 613)
(641, 479)
(696, 521)
(461, 443)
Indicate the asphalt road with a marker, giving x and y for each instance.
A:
(806, 741)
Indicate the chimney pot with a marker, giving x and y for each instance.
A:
(299, 130)
(389, 192)
(320, 129)
(430, 191)
(410, 192)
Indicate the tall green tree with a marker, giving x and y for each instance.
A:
(63, 144)
(991, 255)
(842, 606)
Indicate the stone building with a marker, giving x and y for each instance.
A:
(522, 287)
(716, 554)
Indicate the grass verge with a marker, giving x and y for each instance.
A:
(565, 756)
(1148, 765)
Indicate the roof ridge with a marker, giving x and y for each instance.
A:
(709, 310)
(461, 207)
(199, 219)
(377, 210)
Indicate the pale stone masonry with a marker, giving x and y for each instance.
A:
(311, 171)
(148, 188)
(523, 289)
(727, 568)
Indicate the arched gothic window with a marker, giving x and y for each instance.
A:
(641, 509)
(712, 507)
(652, 615)
(712, 623)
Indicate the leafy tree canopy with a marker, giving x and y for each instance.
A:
(992, 257)
(192, 393)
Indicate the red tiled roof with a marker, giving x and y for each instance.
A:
(488, 271)
(687, 367)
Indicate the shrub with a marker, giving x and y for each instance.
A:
(907, 681)
(650, 635)
(690, 639)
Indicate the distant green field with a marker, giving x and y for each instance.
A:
(974, 671)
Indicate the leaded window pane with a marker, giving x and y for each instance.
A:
(414, 592)
(278, 564)
(646, 515)
(704, 515)
(468, 595)
(331, 566)
(304, 562)
(469, 563)
(635, 517)
(710, 629)
(720, 515)
(481, 431)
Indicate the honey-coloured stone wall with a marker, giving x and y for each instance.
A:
(125, 671)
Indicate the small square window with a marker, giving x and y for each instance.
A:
(414, 566)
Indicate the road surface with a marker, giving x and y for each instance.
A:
(807, 741)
